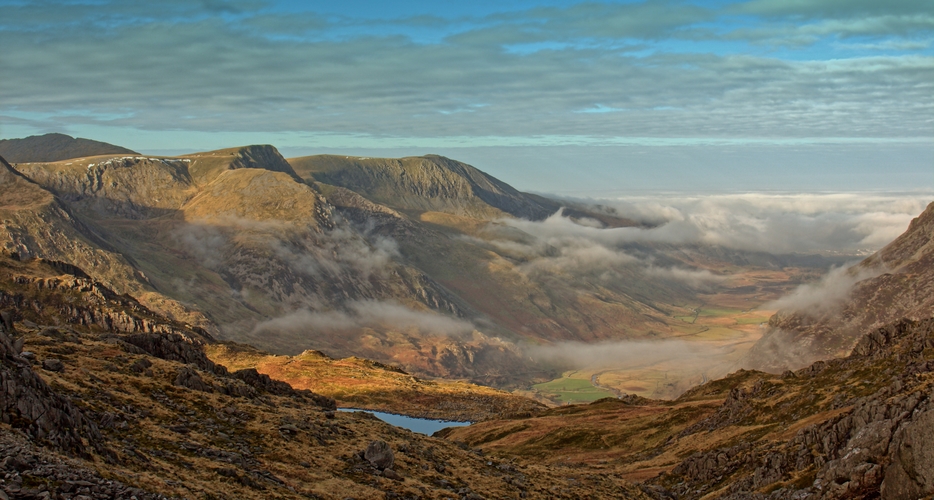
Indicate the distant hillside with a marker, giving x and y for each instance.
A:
(900, 286)
(424, 183)
(55, 147)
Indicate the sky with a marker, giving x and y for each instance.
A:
(553, 96)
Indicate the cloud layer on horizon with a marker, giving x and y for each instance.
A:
(829, 224)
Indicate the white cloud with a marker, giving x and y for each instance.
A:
(830, 224)
(826, 295)
(774, 223)
(697, 279)
(304, 250)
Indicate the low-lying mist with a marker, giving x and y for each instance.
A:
(622, 354)
(367, 313)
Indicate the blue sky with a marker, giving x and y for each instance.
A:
(552, 96)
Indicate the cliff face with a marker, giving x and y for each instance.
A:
(858, 427)
(901, 286)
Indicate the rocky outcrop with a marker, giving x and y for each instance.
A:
(911, 473)
(379, 454)
(868, 443)
(29, 404)
(33, 472)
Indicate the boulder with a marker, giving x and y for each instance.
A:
(53, 365)
(379, 454)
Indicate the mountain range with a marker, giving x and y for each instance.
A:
(409, 261)
(157, 316)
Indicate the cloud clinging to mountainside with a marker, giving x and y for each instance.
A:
(366, 313)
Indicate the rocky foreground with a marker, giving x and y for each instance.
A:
(101, 398)
(856, 427)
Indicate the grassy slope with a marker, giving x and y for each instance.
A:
(361, 383)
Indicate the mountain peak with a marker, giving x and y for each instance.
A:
(208, 165)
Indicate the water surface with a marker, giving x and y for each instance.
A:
(425, 426)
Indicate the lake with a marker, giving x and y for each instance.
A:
(425, 426)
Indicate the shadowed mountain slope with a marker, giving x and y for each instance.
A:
(55, 147)
(900, 285)
(425, 183)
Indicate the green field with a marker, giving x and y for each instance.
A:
(571, 390)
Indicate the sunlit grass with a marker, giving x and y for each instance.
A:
(571, 390)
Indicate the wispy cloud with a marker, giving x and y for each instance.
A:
(302, 249)
(826, 295)
(366, 313)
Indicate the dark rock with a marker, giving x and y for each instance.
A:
(140, 365)
(227, 472)
(188, 376)
(6, 319)
(379, 454)
(391, 474)
(911, 474)
(28, 403)
(53, 365)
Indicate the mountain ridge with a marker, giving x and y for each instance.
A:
(423, 183)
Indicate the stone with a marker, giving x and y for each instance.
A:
(379, 454)
(53, 365)
(140, 365)
(6, 318)
(187, 376)
(911, 474)
(391, 474)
